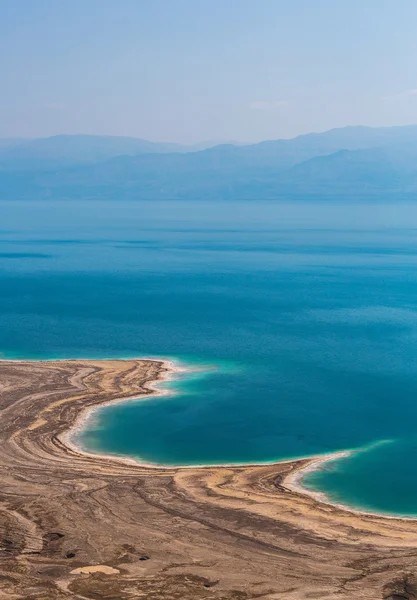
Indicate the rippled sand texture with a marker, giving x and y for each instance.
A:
(82, 526)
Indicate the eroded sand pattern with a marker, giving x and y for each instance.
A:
(84, 526)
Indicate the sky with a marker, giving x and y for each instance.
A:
(199, 70)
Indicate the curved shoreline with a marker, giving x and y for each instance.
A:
(166, 374)
(293, 481)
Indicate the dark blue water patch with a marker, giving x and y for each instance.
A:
(21, 255)
(48, 242)
(139, 245)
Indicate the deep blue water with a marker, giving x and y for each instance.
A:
(301, 317)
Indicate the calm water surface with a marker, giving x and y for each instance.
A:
(301, 317)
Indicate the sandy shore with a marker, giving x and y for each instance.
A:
(294, 481)
(79, 525)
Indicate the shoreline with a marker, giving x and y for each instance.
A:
(292, 482)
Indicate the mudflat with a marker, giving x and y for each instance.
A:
(76, 525)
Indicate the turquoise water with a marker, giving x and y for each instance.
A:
(301, 318)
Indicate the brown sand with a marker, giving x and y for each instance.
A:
(91, 527)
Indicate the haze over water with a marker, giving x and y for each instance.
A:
(301, 316)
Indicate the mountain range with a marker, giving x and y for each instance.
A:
(348, 162)
(69, 150)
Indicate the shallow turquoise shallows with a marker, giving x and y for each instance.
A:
(301, 318)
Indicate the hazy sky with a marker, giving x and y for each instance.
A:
(191, 70)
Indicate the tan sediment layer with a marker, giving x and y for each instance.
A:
(236, 532)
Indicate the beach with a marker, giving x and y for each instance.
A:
(79, 525)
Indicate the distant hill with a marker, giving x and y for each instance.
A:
(69, 150)
(286, 153)
(349, 161)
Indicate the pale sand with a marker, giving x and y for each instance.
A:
(95, 569)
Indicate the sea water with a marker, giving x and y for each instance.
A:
(298, 320)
